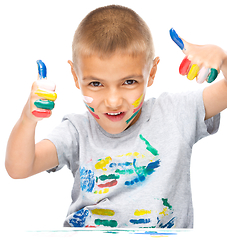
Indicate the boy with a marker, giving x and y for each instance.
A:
(130, 158)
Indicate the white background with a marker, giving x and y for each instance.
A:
(44, 29)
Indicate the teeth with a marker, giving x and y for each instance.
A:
(114, 114)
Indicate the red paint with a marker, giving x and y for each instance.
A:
(93, 114)
(44, 113)
(184, 66)
(108, 184)
(88, 226)
(136, 109)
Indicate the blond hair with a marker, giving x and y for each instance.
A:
(109, 29)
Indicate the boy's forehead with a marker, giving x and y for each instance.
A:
(118, 64)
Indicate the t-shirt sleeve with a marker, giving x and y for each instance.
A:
(189, 112)
(65, 139)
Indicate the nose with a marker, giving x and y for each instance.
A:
(113, 100)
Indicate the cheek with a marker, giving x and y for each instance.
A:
(138, 103)
(88, 99)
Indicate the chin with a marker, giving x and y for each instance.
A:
(114, 130)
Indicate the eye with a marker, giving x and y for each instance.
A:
(95, 84)
(130, 82)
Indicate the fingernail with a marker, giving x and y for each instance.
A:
(44, 104)
(41, 113)
(193, 72)
(46, 84)
(213, 75)
(185, 64)
(52, 96)
(42, 70)
(176, 38)
(203, 74)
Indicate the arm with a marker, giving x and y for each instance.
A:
(215, 96)
(24, 158)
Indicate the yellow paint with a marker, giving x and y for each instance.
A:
(193, 72)
(105, 190)
(164, 211)
(52, 96)
(141, 212)
(136, 154)
(128, 154)
(102, 163)
(104, 212)
(138, 101)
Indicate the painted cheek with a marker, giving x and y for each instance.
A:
(137, 104)
(92, 110)
(88, 99)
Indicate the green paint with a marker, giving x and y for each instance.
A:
(44, 104)
(132, 116)
(92, 109)
(126, 171)
(213, 75)
(149, 147)
(111, 176)
(106, 223)
(165, 203)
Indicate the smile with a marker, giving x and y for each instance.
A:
(115, 116)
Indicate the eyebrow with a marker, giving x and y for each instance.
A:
(89, 78)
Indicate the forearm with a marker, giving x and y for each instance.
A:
(20, 153)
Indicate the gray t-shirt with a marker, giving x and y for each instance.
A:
(137, 178)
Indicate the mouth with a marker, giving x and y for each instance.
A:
(115, 116)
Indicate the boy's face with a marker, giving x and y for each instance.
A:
(114, 88)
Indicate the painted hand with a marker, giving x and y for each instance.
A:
(202, 61)
(45, 90)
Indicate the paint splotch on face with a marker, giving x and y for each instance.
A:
(88, 99)
(138, 101)
(92, 110)
(79, 218)
(137, 104)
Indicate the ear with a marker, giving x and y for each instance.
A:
(74, 74)
(153, 71)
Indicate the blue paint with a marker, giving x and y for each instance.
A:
(79, 218)
(140, 221)
(176, 39)
(169, 224)
(87, 180)
(42, 70)
(143, 172)
(152, 233)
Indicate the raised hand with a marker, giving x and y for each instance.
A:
(43, 94)
(202, 62)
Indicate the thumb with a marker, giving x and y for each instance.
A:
(42, 70)
(181, 43)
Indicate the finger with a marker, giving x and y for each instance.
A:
(193, 72)
(42, 113)
(48, 95)
(42, 70)
(184, 66)
(213, 75)
(46, 84)
(203, 74)
(177, 39)
(44, 104)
